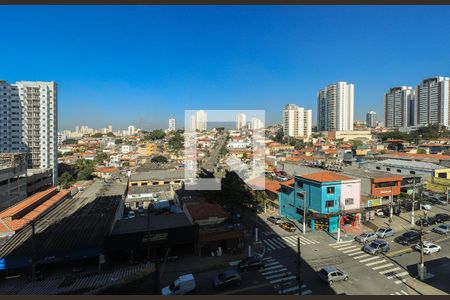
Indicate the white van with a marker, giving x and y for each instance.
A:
(181, 286)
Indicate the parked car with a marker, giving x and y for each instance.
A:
(275, 219)
(377, 246)
(227, 278)
(442, 229)
(131, 214)
(288, 226)
(366, 237)
(438, 200)
(141, 210)
(426, 221)
(379, 212)
(251, 263)
(332, 274)
(385, 232)
(441, 218)
(428, 247)
(180, 286)
(408, 238)
(425, 206)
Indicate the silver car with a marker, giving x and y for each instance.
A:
(442, 229)
(366, 237)
(377, 246)
(385, 232)
(332, 274)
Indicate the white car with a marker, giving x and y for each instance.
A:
(428, 247)
(425, 206)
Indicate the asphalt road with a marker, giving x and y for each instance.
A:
(212, 160)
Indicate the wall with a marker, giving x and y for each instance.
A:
(351, 189)
(289, 203)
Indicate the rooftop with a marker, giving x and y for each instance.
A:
(158, 174)
(325, 177)
(207, 210)
(410, 164)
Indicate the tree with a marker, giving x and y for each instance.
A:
(279, 136)
(244, 155)
(118, 141)
(234, 192)
(356, 143)
(84, 169)
(69, 153)
(157, 134)
(65, 180)
(69, 141)
(176, 143)
(421, 151)
(110, 134)
(97, 135)
(159, 159)
(100, 157)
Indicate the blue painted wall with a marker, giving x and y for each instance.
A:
(288, 203)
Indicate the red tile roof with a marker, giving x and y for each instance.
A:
(325, 177)
(206, 210)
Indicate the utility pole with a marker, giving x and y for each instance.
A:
(413, 200)
(390, 206)
(299, 265)
(339, 226)
(33, 254)
(304, 213)
(422, 271)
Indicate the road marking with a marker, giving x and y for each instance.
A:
(339, 243)
(397, 275)
(400, 281)
(274, 271)
(292, 289)
(403, 292)
(271, 247)
(278, 275)
(346, 247)
(271, 268)
(400, 251)
(351, 250)
(285, 279)
(361, 256)
(279, 242)
(267, 258)
(383, 266)
(397, 293)
(307, 292)
(368, 259)
(271, 264)
(376, 262)
(390, 270)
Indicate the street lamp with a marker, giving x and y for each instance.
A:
(413, 200)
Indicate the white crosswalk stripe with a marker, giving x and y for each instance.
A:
(286, 241)
(270, 245)
(403, 292)
(284, 279)
(368, 259)
(390, 270)
(397, 293)
(382, 267)
(400, 281)
(274, 271)
(307, 292)
(340, 243)
(376, 262)
(398, 275)
(361, 256)
(351, 250)
(267, 258)
(288, 290)
(281, 274)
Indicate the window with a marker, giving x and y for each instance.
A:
(330, 190)
(388, 169)
(399, 171)
(300, 196)
(300, 184)
(378, 168)
(412, 172)
(329, 203)
(349, 201)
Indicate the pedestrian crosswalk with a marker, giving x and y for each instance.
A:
(376, 263)
(402, 292)
(286, 241)
(281, 279)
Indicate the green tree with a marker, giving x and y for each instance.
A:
(244, 155)
(84, 169)
(176, 143)
(100, 157)
(110, 134)
(279, 136)
(356, 143)
(421, 151)
(118, 141)
(125, 164)
(159, 159)
(157, 134)
(97, 135)
(234, 192)
(65, 180)
(69, 141)
(69, 153)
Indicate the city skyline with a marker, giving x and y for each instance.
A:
(264, 57)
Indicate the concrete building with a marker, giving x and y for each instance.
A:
(432, 101)
(13, 181)
(399, 107)
(172, 125)
(364, 135)
(297, 121)
(400, 167)
(131, 130)
(335, 107)
(256, 124)
(371, 119)
(241, 121)
(201, 120)
(30, 111)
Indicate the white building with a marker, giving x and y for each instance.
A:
(335, 106)
(201, 120)
(371, 119)
(172, 126)
(256, 124)
(241, 120)
(131, 130)
(127, 149)
(432, 101)
(297, 121)
(399, 107)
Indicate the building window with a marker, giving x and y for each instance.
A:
(300, 184)
(412, 172)
(378, 168)
(349, 201)
(388, 169)
(329, 203)
(399, 171)
(330, 190)
(300, 196)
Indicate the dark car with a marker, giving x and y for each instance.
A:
(408, 238)
(441, 218)
(227, 278)
(251, 263)
(288, 226)
(275, 219)
(427, 221)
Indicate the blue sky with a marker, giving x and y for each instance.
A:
(140, 65)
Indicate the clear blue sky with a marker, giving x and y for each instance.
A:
(139, 65)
